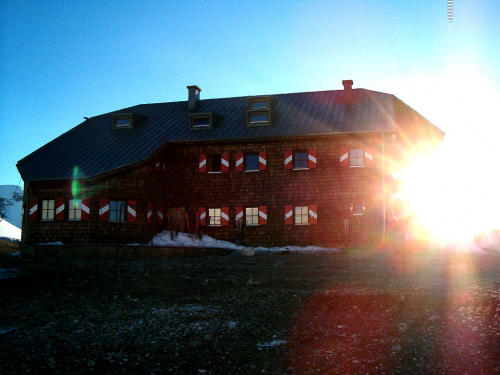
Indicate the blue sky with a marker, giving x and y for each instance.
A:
(62, 60)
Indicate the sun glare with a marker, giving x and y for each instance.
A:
(447, 204)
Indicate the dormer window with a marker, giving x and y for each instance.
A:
(201, 121)
(122, 121)
(259, 104)
(259, 117)
(259, 111)
(127, 120)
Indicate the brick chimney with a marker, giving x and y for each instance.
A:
(347, 90)
(193, 96)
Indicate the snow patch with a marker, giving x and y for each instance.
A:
(184, 239)
(9, 230)
(272, 344)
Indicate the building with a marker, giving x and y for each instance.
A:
(296, 169)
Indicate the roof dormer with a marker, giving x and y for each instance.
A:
(260, 109)
(126, 120)
(203, 121)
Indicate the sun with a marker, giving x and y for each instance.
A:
(432, 190)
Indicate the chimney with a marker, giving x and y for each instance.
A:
(347, 90)
(193, 96)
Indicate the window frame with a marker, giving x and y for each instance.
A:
(212, 219)
(74, 209)
(122, 116)
(246, 163)
(46, 211)
(301, 215)
(259, 106)
(362, 157)
(306, 160)
(210, 163)
(254, 215)
(193, 117)
(357, 210)
(116, 211)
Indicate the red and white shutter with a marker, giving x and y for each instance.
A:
(224, 216)
(288, 159)
(262, 161)
(240, 165)
(262, 215)
(224, 163)
(202, 167)
(311, 159)
(239, 213)
(33, 213)
(288, 214)
(85, 207)
(202, 211)
(157, 165)
(150, 212)
(159, 215)
(368, 156)
(60, 209)
(344, 157)
(164, 166)
(131, 211)
(313, 214)
(104, 209)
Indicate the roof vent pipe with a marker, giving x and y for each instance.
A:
(347, 90)
(193, 96)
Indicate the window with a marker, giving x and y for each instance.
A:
(252, 163)
(200, 121)
(214, 215)
(48, 209)
(197, 122)
(301, 215)
(74, 209)
(258, 117)
(117, 210)
(258, 104)
(300, 160)
(122, 121)
(215, 163)
(356, 157)
(259, 111)
(252, 215)
(358, 209)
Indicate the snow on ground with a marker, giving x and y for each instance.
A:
(184, 239)
(9, 230)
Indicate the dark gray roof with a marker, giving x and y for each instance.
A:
(94, 147)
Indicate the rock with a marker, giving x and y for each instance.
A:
(248, 252)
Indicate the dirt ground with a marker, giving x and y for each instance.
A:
(287, 313)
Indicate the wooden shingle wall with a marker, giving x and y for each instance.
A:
(329, 186)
